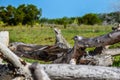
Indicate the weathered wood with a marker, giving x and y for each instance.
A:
(107, 39)
(81, 72)
(4, 39)
(21, 67)
(15, 61)
(98, 60)
(38, 52)
(10, 56)
(38, 73)
(68, 72)
(112, 52)
(60, 40)
(59, 55)
(99, 42)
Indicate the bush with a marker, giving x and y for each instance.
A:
(91, 19)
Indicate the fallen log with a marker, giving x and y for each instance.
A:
(42, 52)
(107, 39)
(21, 68)
(63, 54)
(17, 62)
(4, 39)
(99, 42)
(70, 72)
(56, 72)
(81, 72)
(62, 71)
(38, 52)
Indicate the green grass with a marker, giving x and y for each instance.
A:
(116, 61)
(45, 35)
(39, 61)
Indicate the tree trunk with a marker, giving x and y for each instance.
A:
(4, 39)
(81, 72)
(68, 72)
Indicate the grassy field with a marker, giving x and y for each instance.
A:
(45, 35)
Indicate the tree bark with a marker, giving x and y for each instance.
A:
(58, 55)
(107, 39)
(68, 72)
(99, 42)
(21, 67)
(4, 39)
(81, 72)
(60, 40)
(112, 52)
(17, 62)
(61, 54)
(58, 71)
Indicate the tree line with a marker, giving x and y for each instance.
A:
(89, 19)
(23, 14)
(30, 14)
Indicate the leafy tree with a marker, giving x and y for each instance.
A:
(44, 20)
(91, 19)
(10, 13)
(25, 14)
(20, 14)
(32, 14)
(3, 14)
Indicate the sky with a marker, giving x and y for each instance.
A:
(66, 8)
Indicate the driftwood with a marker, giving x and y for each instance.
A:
(62, 53)
(60, 40)
(56, 53)
(17, 62)
(81, 72)
(18, 69)
(56, 72)
(4, 39)
(108, 39)
(38, 52)
(68, 72)
(99, 42)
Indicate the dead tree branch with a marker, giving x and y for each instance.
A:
(99, 42)
(107, 39)
(60, 40)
